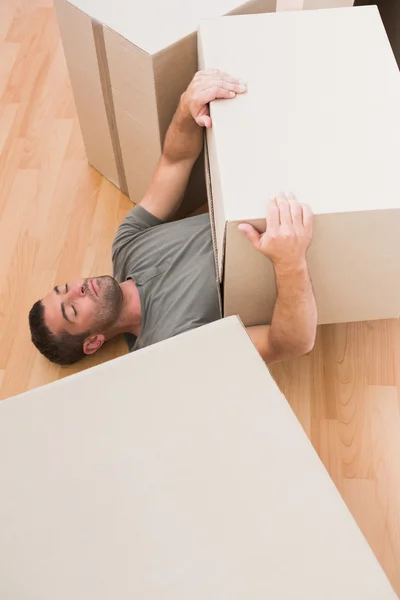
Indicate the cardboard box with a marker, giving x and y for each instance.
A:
(311, 4)
(321, 118)
(175, 472)
(129, 62)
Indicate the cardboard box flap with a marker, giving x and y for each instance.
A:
(323, 122)
(181, 464)
(154, 25)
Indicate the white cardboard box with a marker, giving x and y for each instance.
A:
(129, 62)
(321, 118)
(177, 472)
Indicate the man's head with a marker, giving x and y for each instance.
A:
(74, 318)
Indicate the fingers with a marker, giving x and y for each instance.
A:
(206, 96)
(272, 217)
(213, 77)
(296, 210)
(212, 84)
(252, 234)
(207, 86)
(221, 92)
(204, 121)
(232, 86)
(291, 212)
(285, 216)
(217, 91)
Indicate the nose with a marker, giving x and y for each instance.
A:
(76, 290)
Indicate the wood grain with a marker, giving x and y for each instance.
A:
(57, 220)
(346, 396)
(57, 215)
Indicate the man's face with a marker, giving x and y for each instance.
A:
(85, 305)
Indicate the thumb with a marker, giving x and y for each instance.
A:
(204, 121)
(252, 234)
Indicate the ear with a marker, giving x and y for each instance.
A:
(93, 343)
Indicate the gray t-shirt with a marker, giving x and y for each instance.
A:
(173, 267)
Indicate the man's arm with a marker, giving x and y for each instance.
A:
(184, 140)
(293, 327)
(286, 240)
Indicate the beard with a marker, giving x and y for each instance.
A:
(108, 302)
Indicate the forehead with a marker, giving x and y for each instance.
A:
(54, 318)
(52, 313)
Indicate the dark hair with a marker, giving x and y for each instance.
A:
(64, 348)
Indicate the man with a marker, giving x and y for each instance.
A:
(164, 272)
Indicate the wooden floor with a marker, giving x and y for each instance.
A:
(57, 220)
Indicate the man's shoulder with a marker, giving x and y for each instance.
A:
(137, 220)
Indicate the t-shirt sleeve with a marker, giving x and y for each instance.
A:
(136, 221)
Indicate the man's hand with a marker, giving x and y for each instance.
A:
(205, 87)
(184, 140)
(288, 232)
(286, 241)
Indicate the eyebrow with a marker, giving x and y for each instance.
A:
(64, 314)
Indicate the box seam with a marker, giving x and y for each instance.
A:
(105, 80)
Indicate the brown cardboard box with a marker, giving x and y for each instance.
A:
(321, 118)
(177, 472)
(129, 62)
(311, 4)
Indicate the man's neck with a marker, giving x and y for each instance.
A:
(130, 319)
